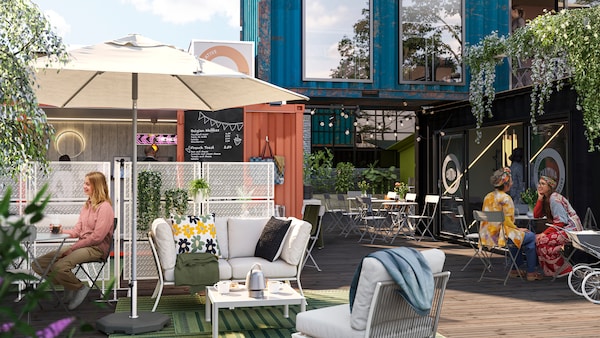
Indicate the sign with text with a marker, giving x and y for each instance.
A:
(214, 136)
(143, 139)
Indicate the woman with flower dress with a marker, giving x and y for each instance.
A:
(523, 239)
(559, 212)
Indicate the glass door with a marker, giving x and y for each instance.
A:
(452, 180)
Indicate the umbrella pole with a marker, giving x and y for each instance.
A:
(133, 323)
(134, 97)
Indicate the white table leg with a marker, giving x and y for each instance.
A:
(303, 305)
(286, 311)
(207, 307)
(215, 321)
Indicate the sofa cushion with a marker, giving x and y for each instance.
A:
(331, 321)
(243, 235)
(195, 234)
(372, 272)
(165, 245)
(222, 236)
(294, 244)
(271, 239)
(224, 269)
(277, 269)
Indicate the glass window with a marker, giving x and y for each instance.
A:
(549, 155)
(432, 41)
(337, 40)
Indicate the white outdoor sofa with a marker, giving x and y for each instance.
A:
(237, 239)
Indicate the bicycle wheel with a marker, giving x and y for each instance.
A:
(591, 287)
(576, 277)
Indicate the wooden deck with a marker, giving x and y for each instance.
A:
(471, 309)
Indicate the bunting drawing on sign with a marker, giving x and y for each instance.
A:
(237, 126)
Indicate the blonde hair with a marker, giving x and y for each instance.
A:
(99, 189)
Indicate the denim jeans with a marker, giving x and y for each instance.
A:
(527, 247)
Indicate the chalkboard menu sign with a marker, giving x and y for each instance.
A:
(214, 136)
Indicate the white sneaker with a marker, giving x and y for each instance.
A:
(78, 297)
(68, 295)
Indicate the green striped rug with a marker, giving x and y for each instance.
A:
(187, 316)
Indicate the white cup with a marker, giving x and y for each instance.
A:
(222, 286)
(274, 286)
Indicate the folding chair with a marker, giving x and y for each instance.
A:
(351, 215)
(369, 219)
(471, 238)
(496, 217)
(427, 217)
(335, 212)
(313, 214)
(94, 269)
(589, 221)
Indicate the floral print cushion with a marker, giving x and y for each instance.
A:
(195, 234)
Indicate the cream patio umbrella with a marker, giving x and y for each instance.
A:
(139, 73)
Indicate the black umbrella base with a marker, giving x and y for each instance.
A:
(121, 322)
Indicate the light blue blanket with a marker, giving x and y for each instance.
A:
(409, 269)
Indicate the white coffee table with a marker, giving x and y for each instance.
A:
(239, 298)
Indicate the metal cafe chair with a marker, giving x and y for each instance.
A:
(472, 238)
(427, 216)
(496, 216)
(313, 214)
(93, 270)
(369, 219)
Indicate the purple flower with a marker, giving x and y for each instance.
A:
(54, 329)
(5, 327)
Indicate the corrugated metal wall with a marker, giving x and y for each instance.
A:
(284, 127)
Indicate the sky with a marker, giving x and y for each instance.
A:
(176, 22)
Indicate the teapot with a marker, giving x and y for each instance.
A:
(255, 281)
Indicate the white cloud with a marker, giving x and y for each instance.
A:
(59, 24)
(187, 11)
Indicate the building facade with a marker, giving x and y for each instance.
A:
(392, 60)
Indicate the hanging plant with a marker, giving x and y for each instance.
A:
(483, 59)
(561, 46)
(176, 202)
(148, 202)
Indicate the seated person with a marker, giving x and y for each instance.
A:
(94, 229)
(523, 239)
(150, 153)
(557, 209)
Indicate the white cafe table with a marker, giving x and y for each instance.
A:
(531, 222)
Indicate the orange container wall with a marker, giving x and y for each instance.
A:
(284, 127)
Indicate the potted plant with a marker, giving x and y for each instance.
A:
(344, 178)
(530, 197)
(199, 189)
(401, 189)
(364, 186)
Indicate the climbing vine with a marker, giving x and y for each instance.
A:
(561, 47)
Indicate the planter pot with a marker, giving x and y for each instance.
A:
(308, 192)
(200, 197)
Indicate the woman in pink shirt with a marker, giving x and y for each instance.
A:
(94, 230)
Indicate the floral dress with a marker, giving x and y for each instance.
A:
(550, 242)
(490, 231)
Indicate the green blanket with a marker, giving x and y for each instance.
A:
(196, 270)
